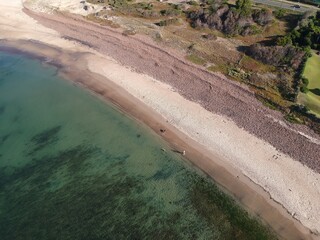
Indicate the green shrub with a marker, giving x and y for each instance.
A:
(279, 13)
(305, 81)
(170, 12)
(304, 89)
(167, 22)
(244, 7)
(285, 40)
(193, 3)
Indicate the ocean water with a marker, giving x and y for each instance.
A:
(74, 167)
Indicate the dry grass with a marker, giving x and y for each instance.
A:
(253, 65)
(196, 59)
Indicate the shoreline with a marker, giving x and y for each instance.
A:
(126, 99)
(214, 92)
(248, 194)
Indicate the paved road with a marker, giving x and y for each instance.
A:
(285, 5)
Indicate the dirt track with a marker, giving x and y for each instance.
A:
(215, 93)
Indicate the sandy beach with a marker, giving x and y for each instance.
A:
(270, 166)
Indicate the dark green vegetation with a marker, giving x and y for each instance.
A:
(72, 167)
(306, 34)
(45, 138)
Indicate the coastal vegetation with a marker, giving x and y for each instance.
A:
(306, 34)
(264, 47)
(291, 53)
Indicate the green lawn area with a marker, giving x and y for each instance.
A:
(312, 72)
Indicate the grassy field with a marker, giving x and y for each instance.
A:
(312, 72)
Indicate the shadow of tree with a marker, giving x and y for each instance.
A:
(268, 41)
(315, 91)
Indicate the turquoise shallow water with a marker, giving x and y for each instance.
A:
(73, 167)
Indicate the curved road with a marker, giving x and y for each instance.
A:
(286, 5)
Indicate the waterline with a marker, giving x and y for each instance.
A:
(72, 166)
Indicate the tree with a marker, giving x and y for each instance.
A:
(244, 7)
(307, 40)
(280, 13)
(285, 40)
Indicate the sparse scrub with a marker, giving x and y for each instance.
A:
(170, 12)
(167, 22)
(292, 118)
(196, 59)
(238, 73)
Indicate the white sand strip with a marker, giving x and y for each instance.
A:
(290, 183)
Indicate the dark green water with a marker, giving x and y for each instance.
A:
(72, 167)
